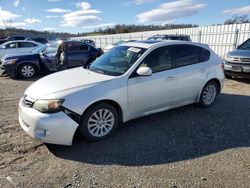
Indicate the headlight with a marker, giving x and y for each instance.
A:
(228, 58)
(9, 61)
(48, 106)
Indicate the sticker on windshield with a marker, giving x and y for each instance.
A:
(133, 49)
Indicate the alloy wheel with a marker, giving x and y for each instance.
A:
(101, 122)
(209, 94)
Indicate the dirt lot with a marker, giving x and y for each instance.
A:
(185, 147)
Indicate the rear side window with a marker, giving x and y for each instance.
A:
(188, 55)
(77, 47)
(27, 45)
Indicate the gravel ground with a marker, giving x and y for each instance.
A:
(185, 147)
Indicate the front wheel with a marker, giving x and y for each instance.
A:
(208, 94)
(99, 122)
(27, 71)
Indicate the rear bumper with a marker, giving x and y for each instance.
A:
(55, 128)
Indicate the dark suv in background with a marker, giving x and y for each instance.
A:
(57, 56)
(237, 62)
(170, 37)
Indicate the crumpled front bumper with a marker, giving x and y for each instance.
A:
(54, 128)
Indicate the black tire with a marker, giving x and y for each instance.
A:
(205, 96)
(31, 71)
(88, 129)
(228, 76)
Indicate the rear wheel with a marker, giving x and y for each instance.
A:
(99, 122)
(209, 94)
(27, 70)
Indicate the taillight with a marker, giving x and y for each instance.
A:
(222, 66)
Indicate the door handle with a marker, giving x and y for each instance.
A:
(202, 70)
(170, 78)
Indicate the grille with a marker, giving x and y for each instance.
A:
(27, 101)
(234, 59)
(245, 59)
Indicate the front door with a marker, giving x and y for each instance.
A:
(152, 93)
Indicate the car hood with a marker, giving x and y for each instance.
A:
(65, 82)
(16, 55)
(239, 53)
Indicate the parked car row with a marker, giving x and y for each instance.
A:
(14, 38)
(48, 58)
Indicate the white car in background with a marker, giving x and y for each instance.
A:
(18, 46)
(129, 81)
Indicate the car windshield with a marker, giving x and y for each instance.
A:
(245, 45)
(39, 49)
(118, 43)
(117, 61)
(52, 48)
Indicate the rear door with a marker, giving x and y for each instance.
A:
(191, 70)
(77, 54)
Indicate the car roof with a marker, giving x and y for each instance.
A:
(22, 41)
(154, 43)
(171, 35)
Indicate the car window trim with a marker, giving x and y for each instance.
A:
(134, 74)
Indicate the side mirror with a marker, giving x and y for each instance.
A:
(3, 47)
(144, 71)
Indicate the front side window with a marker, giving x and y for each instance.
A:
(186, 55)
(117, 61)
(158, 60)
(51, 48)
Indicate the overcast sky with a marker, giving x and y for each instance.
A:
(80, 16)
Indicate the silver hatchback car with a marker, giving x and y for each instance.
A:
(129, 81)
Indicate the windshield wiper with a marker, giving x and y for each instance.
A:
(96, 70)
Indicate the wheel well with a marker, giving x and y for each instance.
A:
(111, 102)
(26, 63)
(217, 83)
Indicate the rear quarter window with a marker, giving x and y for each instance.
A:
(189, 54)
(204, 54)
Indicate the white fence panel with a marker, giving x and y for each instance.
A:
(221, 38)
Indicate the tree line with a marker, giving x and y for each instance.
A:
(119, 28)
